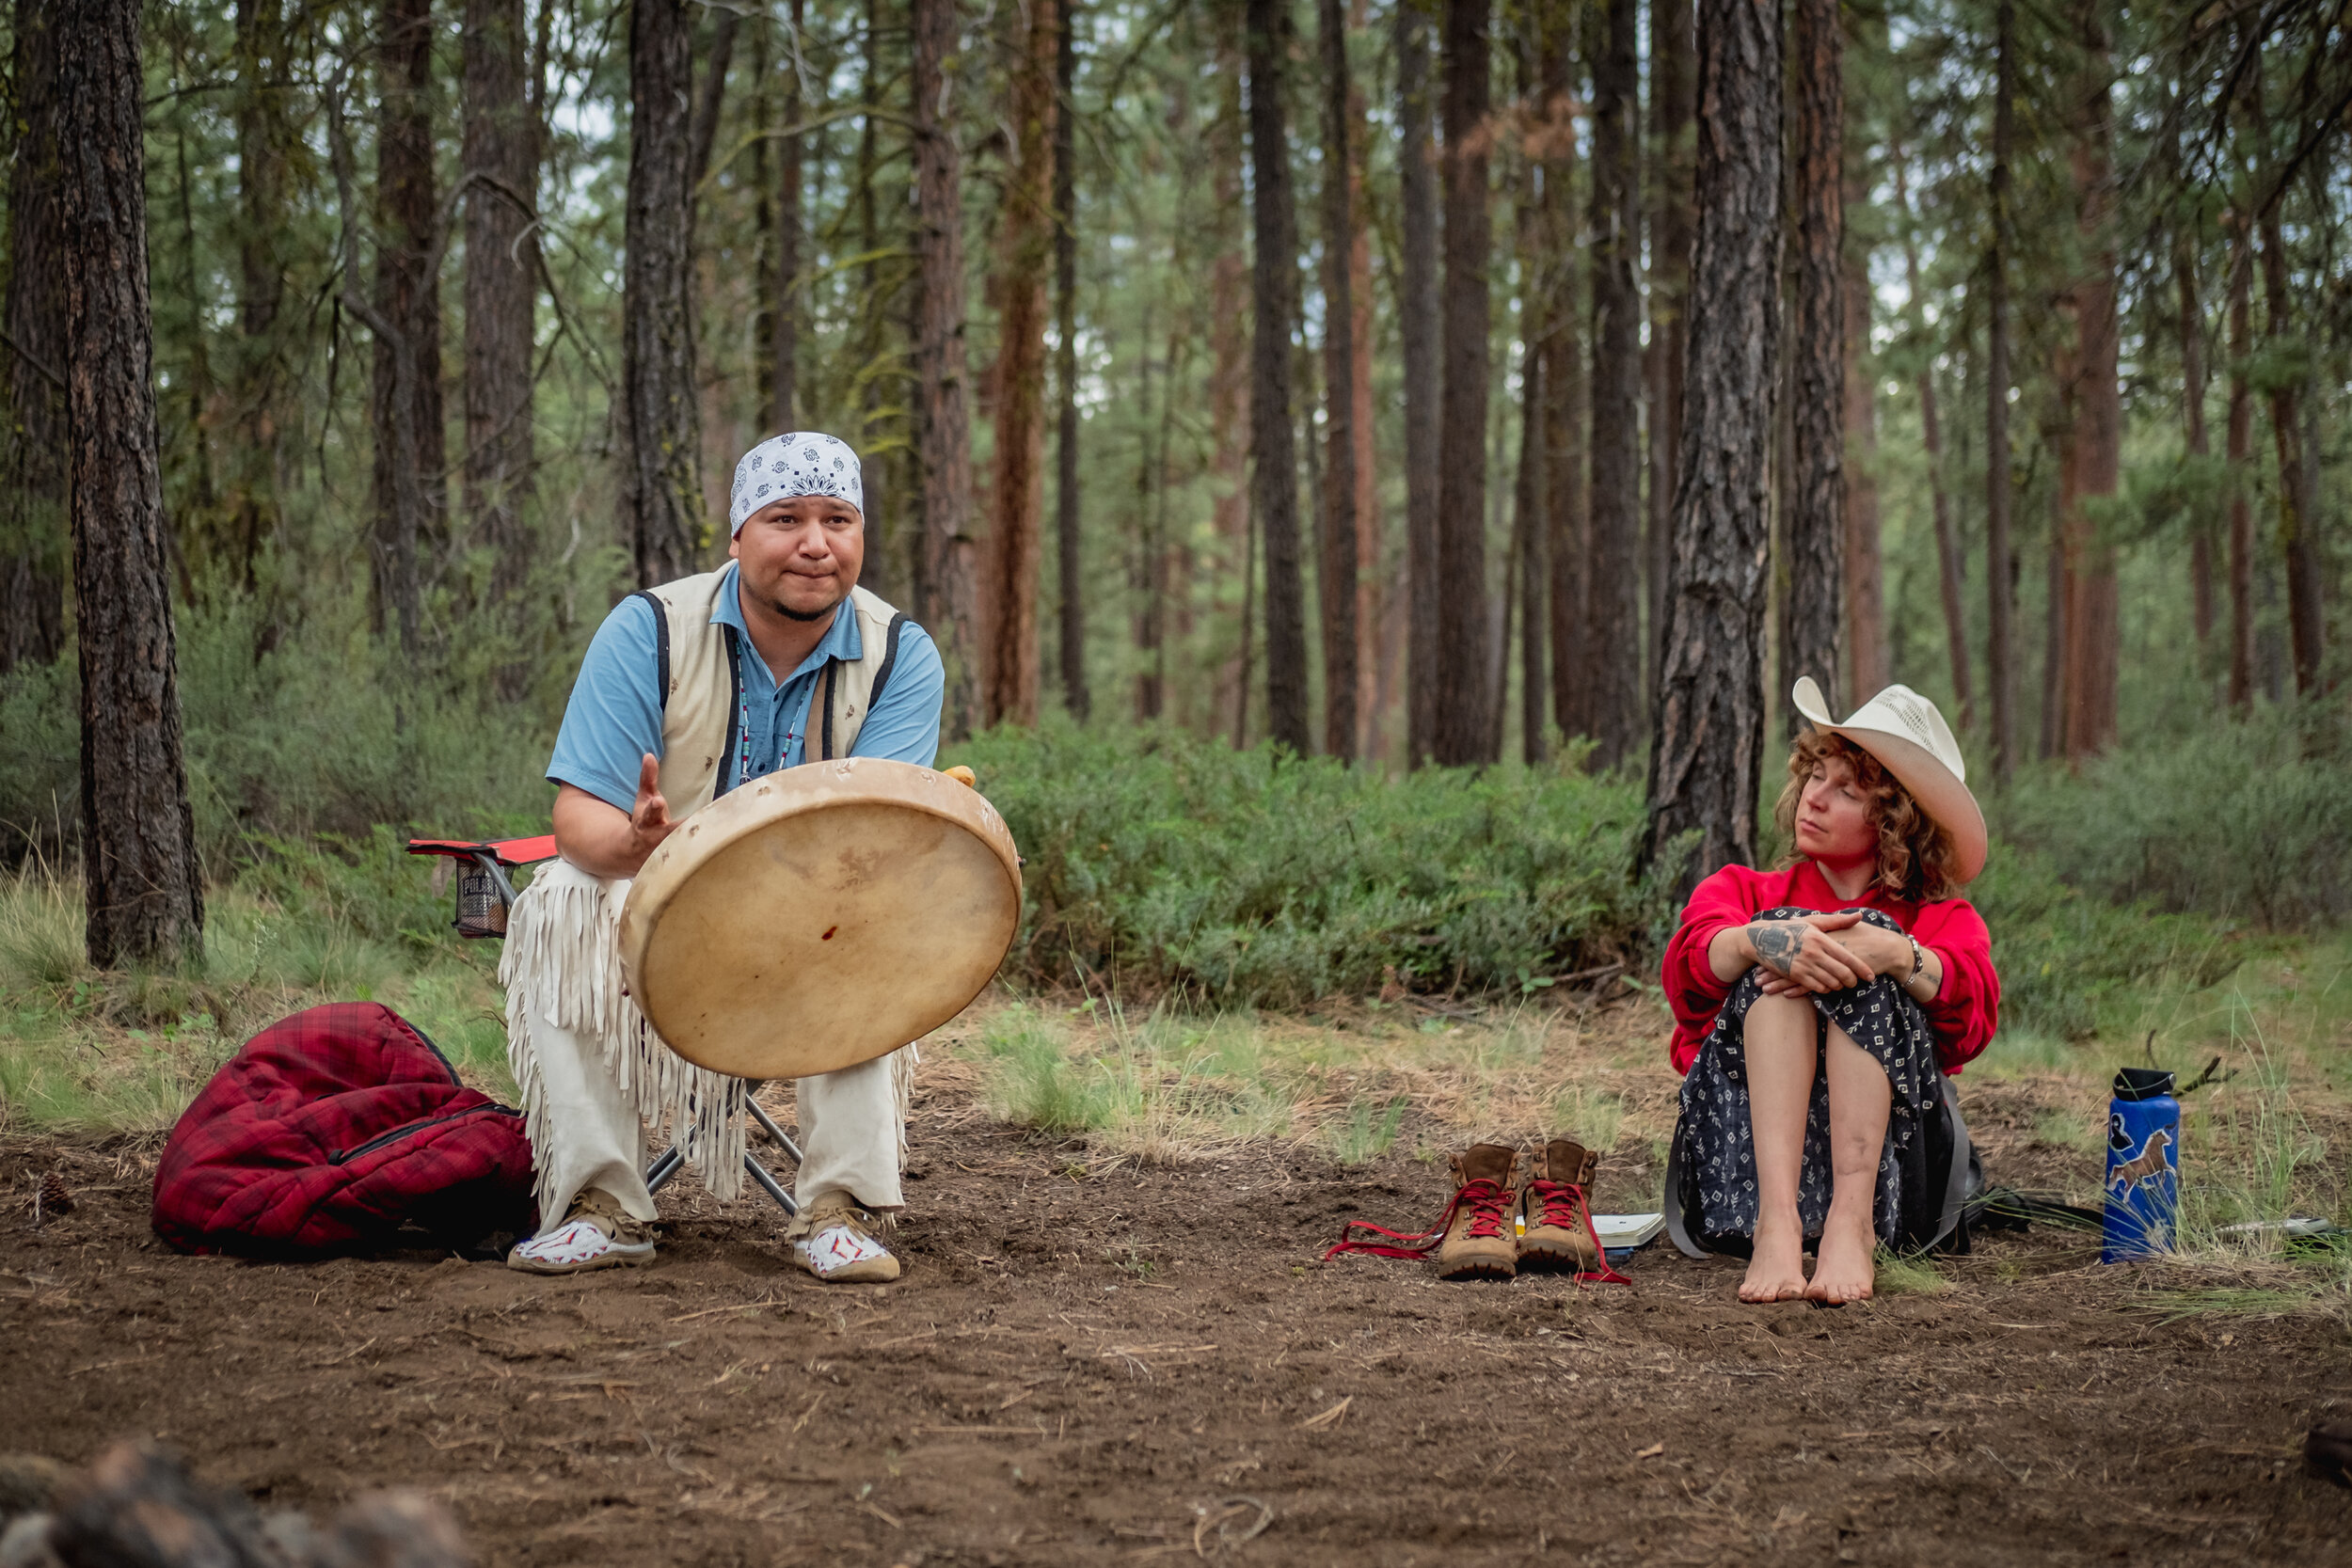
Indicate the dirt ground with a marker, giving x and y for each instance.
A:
(1092, 1362)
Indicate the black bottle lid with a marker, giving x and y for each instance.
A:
(2142, 1082)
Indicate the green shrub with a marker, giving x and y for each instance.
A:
(1169, 864)
(2248, 819)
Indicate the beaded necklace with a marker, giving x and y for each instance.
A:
(792, 732)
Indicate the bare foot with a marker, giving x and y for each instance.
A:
(1845, 1266)
(1777, 1267)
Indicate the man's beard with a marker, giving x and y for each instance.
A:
(803, 616)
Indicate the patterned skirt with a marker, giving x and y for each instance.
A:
(1715, 1144)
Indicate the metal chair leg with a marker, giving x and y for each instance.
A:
(672, 1160)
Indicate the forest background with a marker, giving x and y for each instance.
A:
(1231, 374)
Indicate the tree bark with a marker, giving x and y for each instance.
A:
(1337, 581)
(1273, 451)
(1706, 757)
(1024, 236)
(1869, 664)
(1229, 365)
(2299, 514)
(2000, 567)
(710, 91)
(2240, 440)
(258, 380)
(661, 501)
(1816, 531)
(1375, 642)
(1464, 713)
(1951, 568)
(142, 886)
(1612, 605)
(1417, 309)
(1529, 526)
(2093, 445)
(34, 536)
(944, 579)
(782, 298)
(1562, 372)
(411, 492)
(501, 151)
(1066, 516)
(2193, 380)
(1670, 220)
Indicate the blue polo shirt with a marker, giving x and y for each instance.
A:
(615, 716)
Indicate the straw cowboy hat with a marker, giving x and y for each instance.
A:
(1908, 735)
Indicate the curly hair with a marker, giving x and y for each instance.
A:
(1919, 860)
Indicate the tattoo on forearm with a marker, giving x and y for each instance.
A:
(1777, 944)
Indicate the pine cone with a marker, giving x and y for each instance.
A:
(55, 1199)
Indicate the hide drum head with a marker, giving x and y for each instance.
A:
(820, 917)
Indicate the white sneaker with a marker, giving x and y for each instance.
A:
(837, 1243)
(598, 1235)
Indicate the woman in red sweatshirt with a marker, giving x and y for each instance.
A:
(1819, 1006)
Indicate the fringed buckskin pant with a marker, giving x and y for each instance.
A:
(593, 1075)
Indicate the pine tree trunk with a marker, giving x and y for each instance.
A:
(1670, 220)
(1529, 528)
(1707, 753)
(1066, 516)
(710, 91)
(1374, 642)
(1612, 618)
(2000, 566)
(501, 156)
(34, 537)
(782, 298)
(945, 589)
(1025, 238)
(1951, 568)
(2299, 514)
(1465, 713)
(1562, 373)
(2193, 381)
(1870, 663)
(1417, 309)
(1273, 450)
(2094, 447)
(1817, 545)
(258, 380)
(1336, 583)
(410, 492)
(2241, 460)
(661, 501)
(144, 894)
(1229, 363)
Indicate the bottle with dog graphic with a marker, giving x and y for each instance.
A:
(2143, 1190)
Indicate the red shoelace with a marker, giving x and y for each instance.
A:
(1563, 1204)
(1558, 1203)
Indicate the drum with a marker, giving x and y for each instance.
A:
(820, 917)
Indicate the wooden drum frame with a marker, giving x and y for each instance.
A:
(819, 917)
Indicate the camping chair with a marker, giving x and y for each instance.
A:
(484, 893)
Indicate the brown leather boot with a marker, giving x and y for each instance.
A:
(1478, 1243)
(1559, 1236)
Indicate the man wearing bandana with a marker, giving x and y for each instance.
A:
(690, 689)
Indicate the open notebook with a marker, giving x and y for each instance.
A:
(1620, 1231)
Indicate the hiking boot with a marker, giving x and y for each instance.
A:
(1477, 1243)
(833, 1239)
(1559, 1235)
(598, 1233)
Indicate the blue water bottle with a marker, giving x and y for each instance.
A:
(2143, 1188)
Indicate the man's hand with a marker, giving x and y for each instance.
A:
(1801, 955)
(649, 822)
(604, 840)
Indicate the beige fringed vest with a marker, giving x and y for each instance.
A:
(702, 685)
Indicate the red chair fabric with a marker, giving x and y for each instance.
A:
(330, 1130)
(507, 851)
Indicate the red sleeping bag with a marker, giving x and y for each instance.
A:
(330, 1131)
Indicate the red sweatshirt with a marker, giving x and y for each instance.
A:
(1963, 1016)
